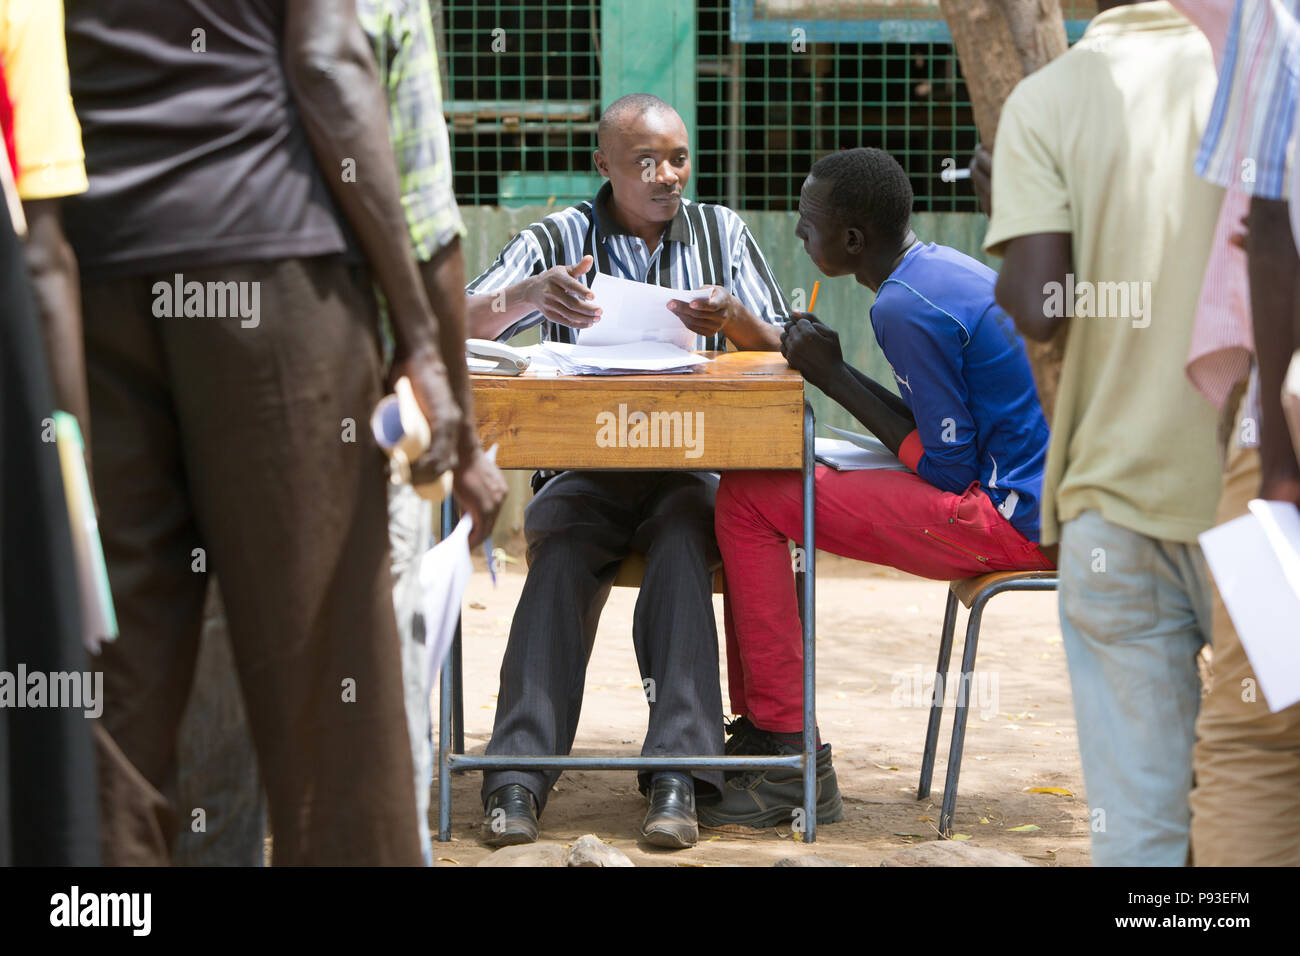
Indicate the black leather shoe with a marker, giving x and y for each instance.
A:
(511, 816)
(671, 820)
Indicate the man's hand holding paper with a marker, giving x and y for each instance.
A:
(559, 295)
(709, 312)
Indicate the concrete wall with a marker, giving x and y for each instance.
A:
(841, 303)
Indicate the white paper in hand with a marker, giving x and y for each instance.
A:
(1255, 560)
(636, 312)
(444, 573)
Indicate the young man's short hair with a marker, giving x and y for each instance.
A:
(869, 189)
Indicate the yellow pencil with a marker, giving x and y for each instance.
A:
(812, 303)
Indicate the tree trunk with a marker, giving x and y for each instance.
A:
(999, 43)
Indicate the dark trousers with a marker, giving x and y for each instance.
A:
(578, 529)
(246, 451)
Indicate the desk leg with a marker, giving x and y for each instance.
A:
(445, 694)
(809, 629)
(457, 695)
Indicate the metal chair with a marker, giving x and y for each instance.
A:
(974, 593)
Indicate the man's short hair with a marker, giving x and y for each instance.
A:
(634, 104)
(868, 189)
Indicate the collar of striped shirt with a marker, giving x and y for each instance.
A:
(679, 230)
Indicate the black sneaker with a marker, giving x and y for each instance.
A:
(746, 740)
(768, 798)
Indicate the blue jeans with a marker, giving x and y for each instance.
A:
(410, 529)
(1135, 612)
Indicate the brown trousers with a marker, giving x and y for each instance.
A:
(245, 450)
(1246, 801)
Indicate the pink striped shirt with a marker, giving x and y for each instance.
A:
(1223, 340)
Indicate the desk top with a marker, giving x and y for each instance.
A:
(747, 370)
(743, 410)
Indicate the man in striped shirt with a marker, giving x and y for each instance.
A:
(580, 525)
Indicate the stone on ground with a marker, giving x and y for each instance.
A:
(529, 854)
(590, 850)
(954, 853)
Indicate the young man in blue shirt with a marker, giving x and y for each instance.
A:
(967, 424)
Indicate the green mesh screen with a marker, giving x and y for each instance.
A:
(866, 73)
(767, 111)
(522, 119)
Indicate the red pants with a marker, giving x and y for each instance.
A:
(885, 517)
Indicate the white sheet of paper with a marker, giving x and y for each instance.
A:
(849, 456)
(444, 573)
(1255, 560)
(636, 312)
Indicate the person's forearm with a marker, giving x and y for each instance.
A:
(882, 393)
(56, 287)
(488, 314)
(1272, 263)
(444, 284)
(746, 331)
(334, 81)
(870, 409)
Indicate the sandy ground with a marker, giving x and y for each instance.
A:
(878, 633)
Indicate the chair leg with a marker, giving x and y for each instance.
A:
(959, 720)
(936, 702)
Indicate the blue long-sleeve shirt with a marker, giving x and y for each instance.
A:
(963, 371)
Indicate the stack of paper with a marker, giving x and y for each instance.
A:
(855, 453)
(634, 358)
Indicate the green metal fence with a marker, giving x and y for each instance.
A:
(771, 84)
(522, 92)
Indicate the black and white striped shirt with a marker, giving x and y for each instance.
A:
(705, 244)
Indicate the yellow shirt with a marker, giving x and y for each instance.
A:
(46, 132)
(1100, 144)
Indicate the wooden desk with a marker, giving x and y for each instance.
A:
(753, 415)
(747, 410)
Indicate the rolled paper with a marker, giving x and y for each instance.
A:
(400, 429)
